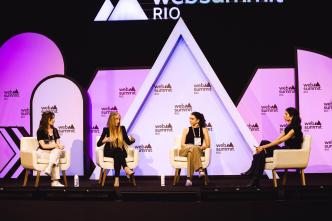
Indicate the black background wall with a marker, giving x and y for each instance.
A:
(235, 38)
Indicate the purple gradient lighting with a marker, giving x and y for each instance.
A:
(112, 90)
(25, 59)
(315, 102)
(263, 104)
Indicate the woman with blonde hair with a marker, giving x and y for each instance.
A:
(115, 138)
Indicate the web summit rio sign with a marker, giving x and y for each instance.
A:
(126, 10)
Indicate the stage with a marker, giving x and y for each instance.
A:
(224, 197)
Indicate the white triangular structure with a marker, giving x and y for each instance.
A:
(181, 32)
(128, 10)
(105, 11)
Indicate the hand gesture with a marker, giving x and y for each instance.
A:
(131, 138)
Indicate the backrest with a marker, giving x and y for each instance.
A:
(29, 144)
(97, 139)
(306, 144)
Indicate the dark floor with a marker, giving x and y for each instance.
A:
(225, 198)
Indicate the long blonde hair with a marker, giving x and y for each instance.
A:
(114, 130)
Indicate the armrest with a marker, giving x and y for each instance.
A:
(173, 153)
(290, 158)
(28, 159)
(134, 153)
(99, 154)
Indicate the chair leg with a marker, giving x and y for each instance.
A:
(274, 179)
(302, 178)
(26, 175)
(37, 179)
(104, 178)
(178, 176)
(100, 176)
(284, 179)
(206, 179)
(132, 177)
(175, 176)
(64, 178)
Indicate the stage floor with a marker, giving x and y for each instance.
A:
(149, 188)
(225, 198)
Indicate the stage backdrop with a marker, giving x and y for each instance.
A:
(25, 59)
(315, 99)
(111, 90)
(263, 104)
(63, 97)
(182, 81)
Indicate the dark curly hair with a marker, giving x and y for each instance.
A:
(200, 117)
(46, 116)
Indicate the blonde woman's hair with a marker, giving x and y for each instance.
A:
(115, 131)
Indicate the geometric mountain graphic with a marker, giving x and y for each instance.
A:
(128, 10)
(104, 11)
(10, 164)
(182, 65)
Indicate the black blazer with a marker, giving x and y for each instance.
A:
(106, 132)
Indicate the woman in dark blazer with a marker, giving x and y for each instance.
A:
(116, 140)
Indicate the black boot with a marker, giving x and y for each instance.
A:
(254, 182)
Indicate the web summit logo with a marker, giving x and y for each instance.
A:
(161, 88)
(126, 10)
(163, 128)
(313, 125)
(127, 91)
(53, 109)
(178, 108)
(328, 106)
(11, 94)
(105, 111)
(269, 109)
(328, 145)
(253, 127)
(286, 90)
(144, 148)
(66, 129)
(311, 87)
(224, 147)
(202, 87)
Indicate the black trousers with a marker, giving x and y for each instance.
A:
(258, 161)
(119, 155)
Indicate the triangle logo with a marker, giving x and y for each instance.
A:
(105, 11)
(182, 64)
(128, 10)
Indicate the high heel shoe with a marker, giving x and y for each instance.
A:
(129, 172)
(247, 173)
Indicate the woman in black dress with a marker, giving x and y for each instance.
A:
(116, 140)
(292, 137)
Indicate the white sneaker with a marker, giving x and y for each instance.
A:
(201, 174)
(48, 171)
(56, 183)
(189, 183)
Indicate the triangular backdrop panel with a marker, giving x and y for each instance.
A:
(182, 81)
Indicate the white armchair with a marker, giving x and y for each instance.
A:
(290, 159)
(179, 162)
(107, 163)
(30, 161)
